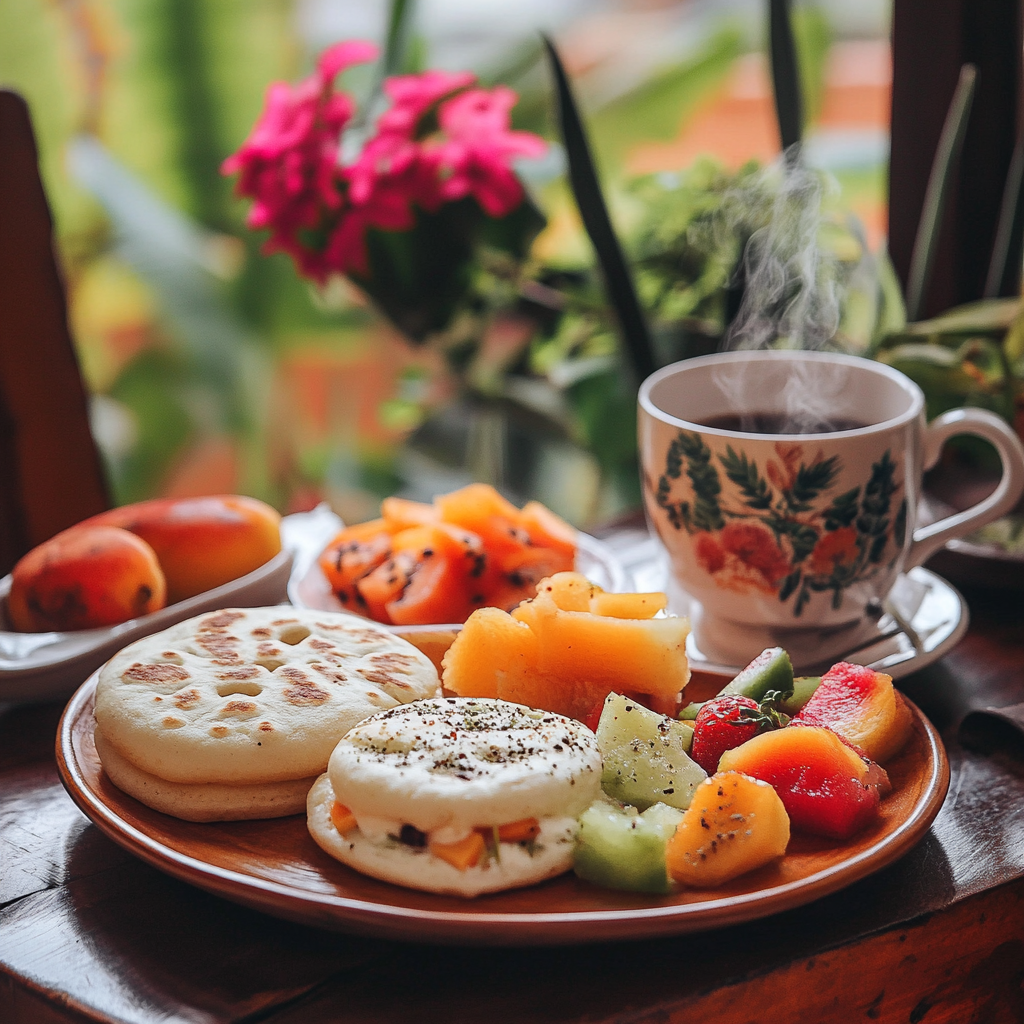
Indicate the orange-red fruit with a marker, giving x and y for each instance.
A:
(201, 543)
(353, 554)
(826, 787)
(863, 707)
(83, 578)
(428, 578)
(483, 552)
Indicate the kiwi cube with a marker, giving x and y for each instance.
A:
(803, 688)
(645, 755)
(619, 848)
(770, 670)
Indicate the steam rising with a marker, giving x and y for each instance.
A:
(791, 295)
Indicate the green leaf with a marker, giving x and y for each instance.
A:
(874, 518)
(1013, 343)
(843, 510)
(789, 105)
(877, 549)
(944, 164)
(586, 188)
(756, 492)
(802, 537)
(899, 526)
(811, 481)
(789, 584)
(986, 316)
(705, 513)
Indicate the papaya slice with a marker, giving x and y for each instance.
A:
(401, 513)
(351, 556)
(423, 564)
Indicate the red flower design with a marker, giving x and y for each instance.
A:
(835, 549)
(755, 546)
(709, 552)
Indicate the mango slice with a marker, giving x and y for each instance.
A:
(84, 578)
(201, 543)
(733, 825)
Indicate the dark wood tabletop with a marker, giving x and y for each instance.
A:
(87, 933)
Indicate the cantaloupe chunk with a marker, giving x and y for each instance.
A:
(343, 819)
(465, 853)
(567, 661)
(489, 649)
(521, 831)
(733, 825)
(628, 606)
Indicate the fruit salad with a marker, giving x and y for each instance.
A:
(699, 800)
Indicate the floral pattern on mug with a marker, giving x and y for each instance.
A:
(784, 531)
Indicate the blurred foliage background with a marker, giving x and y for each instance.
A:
(216, 369)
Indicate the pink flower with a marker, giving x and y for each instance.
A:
(412, 96)
(475, 153)
(393, 160)
(319, 212)
(288, 165)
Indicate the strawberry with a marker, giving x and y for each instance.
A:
(728, 721)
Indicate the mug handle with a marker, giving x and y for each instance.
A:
(981, 423)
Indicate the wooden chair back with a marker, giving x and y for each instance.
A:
(51, 475)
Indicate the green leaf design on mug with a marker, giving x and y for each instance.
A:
(781, 527)
(704, 514)
(744, 474)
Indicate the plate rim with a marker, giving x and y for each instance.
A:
(446, 927)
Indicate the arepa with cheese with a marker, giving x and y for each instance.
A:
(457, 795)
(233, 714)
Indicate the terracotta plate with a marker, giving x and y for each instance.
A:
(276, 867)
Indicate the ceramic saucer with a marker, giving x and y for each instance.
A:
(924, 617)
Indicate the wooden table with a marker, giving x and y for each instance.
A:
(89, 934)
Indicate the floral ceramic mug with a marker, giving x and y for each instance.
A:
(784, 487)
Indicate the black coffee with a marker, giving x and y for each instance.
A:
(779, 423)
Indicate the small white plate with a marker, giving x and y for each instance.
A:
(49, 666)
(309, 533)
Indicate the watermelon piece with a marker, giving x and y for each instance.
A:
(862, 706)
(825, 786)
